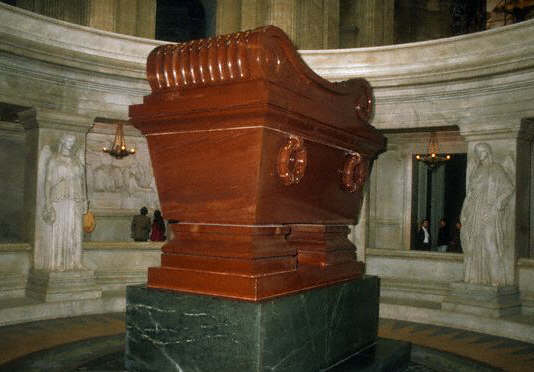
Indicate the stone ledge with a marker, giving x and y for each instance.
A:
(397, 253)
(12, 284)
(82, 47)
(22, 310)
(118, 280)
(525, 262)
(494, 51)
(410, 302)
(110, 246)
(15, 247)
(518, 327)
(61, 286)
(482, 300)
(527, 302)
(413, 290)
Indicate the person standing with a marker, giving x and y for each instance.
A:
(140, 227)
(456, 243)
(443, 236)
(424, 240)
(158, 228)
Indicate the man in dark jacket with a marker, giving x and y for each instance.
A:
(424, 240)
(141, 226)
(443, 236)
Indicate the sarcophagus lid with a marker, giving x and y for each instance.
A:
(241, 131)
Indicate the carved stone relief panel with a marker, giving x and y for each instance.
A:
(119, 185)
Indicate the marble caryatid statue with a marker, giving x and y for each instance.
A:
(483, 220)
(64, 205)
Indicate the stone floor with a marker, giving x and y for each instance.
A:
(101, 337)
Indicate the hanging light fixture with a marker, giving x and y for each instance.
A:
(433, 158)
(119, 149)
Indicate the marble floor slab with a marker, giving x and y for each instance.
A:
(101, 338)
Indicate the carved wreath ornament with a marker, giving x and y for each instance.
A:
(355, 172)
(292, 160)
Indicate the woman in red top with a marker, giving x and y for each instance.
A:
(158, 228)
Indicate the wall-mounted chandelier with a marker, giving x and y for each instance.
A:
(433, 158)
(119, 149)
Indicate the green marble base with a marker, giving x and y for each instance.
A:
(308, 331)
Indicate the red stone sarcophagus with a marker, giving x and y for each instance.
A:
(260, 160)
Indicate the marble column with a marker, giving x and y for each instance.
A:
(229, 16)
(495, 218)
(101, 14)
(309, 24)
(283, 14)
(74, 11)
(55, 201)
(126, 17)
(317, 25)
(367, 23)
(129, 17)
(421, 190)
(146, 19)
(437, 202)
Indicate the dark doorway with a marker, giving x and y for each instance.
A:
(438, 193)
(180, 21)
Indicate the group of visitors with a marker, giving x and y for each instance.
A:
(447, 241)
(142, 228)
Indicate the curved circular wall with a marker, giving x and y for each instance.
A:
(67, 73)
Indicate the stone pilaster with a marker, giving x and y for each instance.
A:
(101, 14)
(126, 17)
(74, 11)
(317, 25)
(50, 278)
(499, 213)
(146, 19)
(309, 24)
(129, 17)
(367, 23)
(283, 14)
(438, 203)
(135, 17)
(228, 16)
